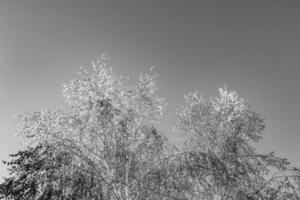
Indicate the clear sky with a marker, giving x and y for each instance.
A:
(253, 46)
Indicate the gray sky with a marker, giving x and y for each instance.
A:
(252, 46)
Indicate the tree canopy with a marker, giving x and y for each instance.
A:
(40, 173)
(109, 147)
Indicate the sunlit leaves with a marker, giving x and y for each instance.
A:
(111, 128)
(116, 148)
(221, 133)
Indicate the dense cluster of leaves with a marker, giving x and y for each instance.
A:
(222, 160)
(108, 147)
(40, 173)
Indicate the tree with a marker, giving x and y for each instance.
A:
(112, 140)
(39, 173)
(111, 130)
(220, 155)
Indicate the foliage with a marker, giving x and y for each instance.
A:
(221, 158)
(37, 173)
(111, 129)
(112, 143)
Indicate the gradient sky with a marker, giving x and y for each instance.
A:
(253, 46)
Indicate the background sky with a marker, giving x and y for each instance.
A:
(253, 46)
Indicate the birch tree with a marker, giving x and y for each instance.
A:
(110, 131)
(220, 156)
